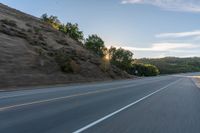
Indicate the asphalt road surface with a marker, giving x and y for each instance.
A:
(165, 104)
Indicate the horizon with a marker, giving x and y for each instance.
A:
(150, 29)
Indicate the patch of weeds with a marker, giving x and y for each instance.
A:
(63, 60)
(23, 30)
(29, 25)
(9, 22)
(37, 30)
(63, 42)
(40, 37)
(29, 30)
(39, 51)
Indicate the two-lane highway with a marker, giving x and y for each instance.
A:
(165, 104)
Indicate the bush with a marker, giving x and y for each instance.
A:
(52, 20)
(9, 22)
(95, 44)
(72, 30)
(63, 60)
(66, 67)
(143, 70)
(66, 64)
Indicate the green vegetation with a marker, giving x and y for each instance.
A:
(69, 29)
(72, 30)
(144, 70)
(52, 20)
(171, 65)
(95, 44)
(63, 61)
(121, 58)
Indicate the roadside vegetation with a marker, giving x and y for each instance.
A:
(171, 65)
(144, 70)
(119, 57)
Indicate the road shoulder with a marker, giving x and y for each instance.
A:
(196, 80)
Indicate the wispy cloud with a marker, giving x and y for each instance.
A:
(173, 5)
(160, 47)
(163, 49)
(179, 34)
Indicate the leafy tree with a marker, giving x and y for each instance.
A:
(121, 58)
(96, 44)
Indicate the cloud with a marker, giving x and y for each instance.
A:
(179, 34)
(158, 50)
(161, 47)
(172, 5)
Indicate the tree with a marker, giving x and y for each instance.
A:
(96, 44)
(121, 58)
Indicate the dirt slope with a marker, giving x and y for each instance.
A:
(29, 49)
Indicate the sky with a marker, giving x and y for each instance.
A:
(149, 28)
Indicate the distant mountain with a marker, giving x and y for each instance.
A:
(31, 53)
(170, 65)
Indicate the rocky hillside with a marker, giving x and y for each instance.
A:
(34, 53)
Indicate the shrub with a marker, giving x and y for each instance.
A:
(66, 64)
(69, 29)
(143, 70)
(63, 60)
(40, 51)
(9, 22)
(66, 67)
(72, 30)
(52, 20)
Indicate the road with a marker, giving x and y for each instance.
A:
(165, 104)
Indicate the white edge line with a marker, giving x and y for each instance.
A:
(118, 111)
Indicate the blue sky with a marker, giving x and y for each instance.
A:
(150, 28)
